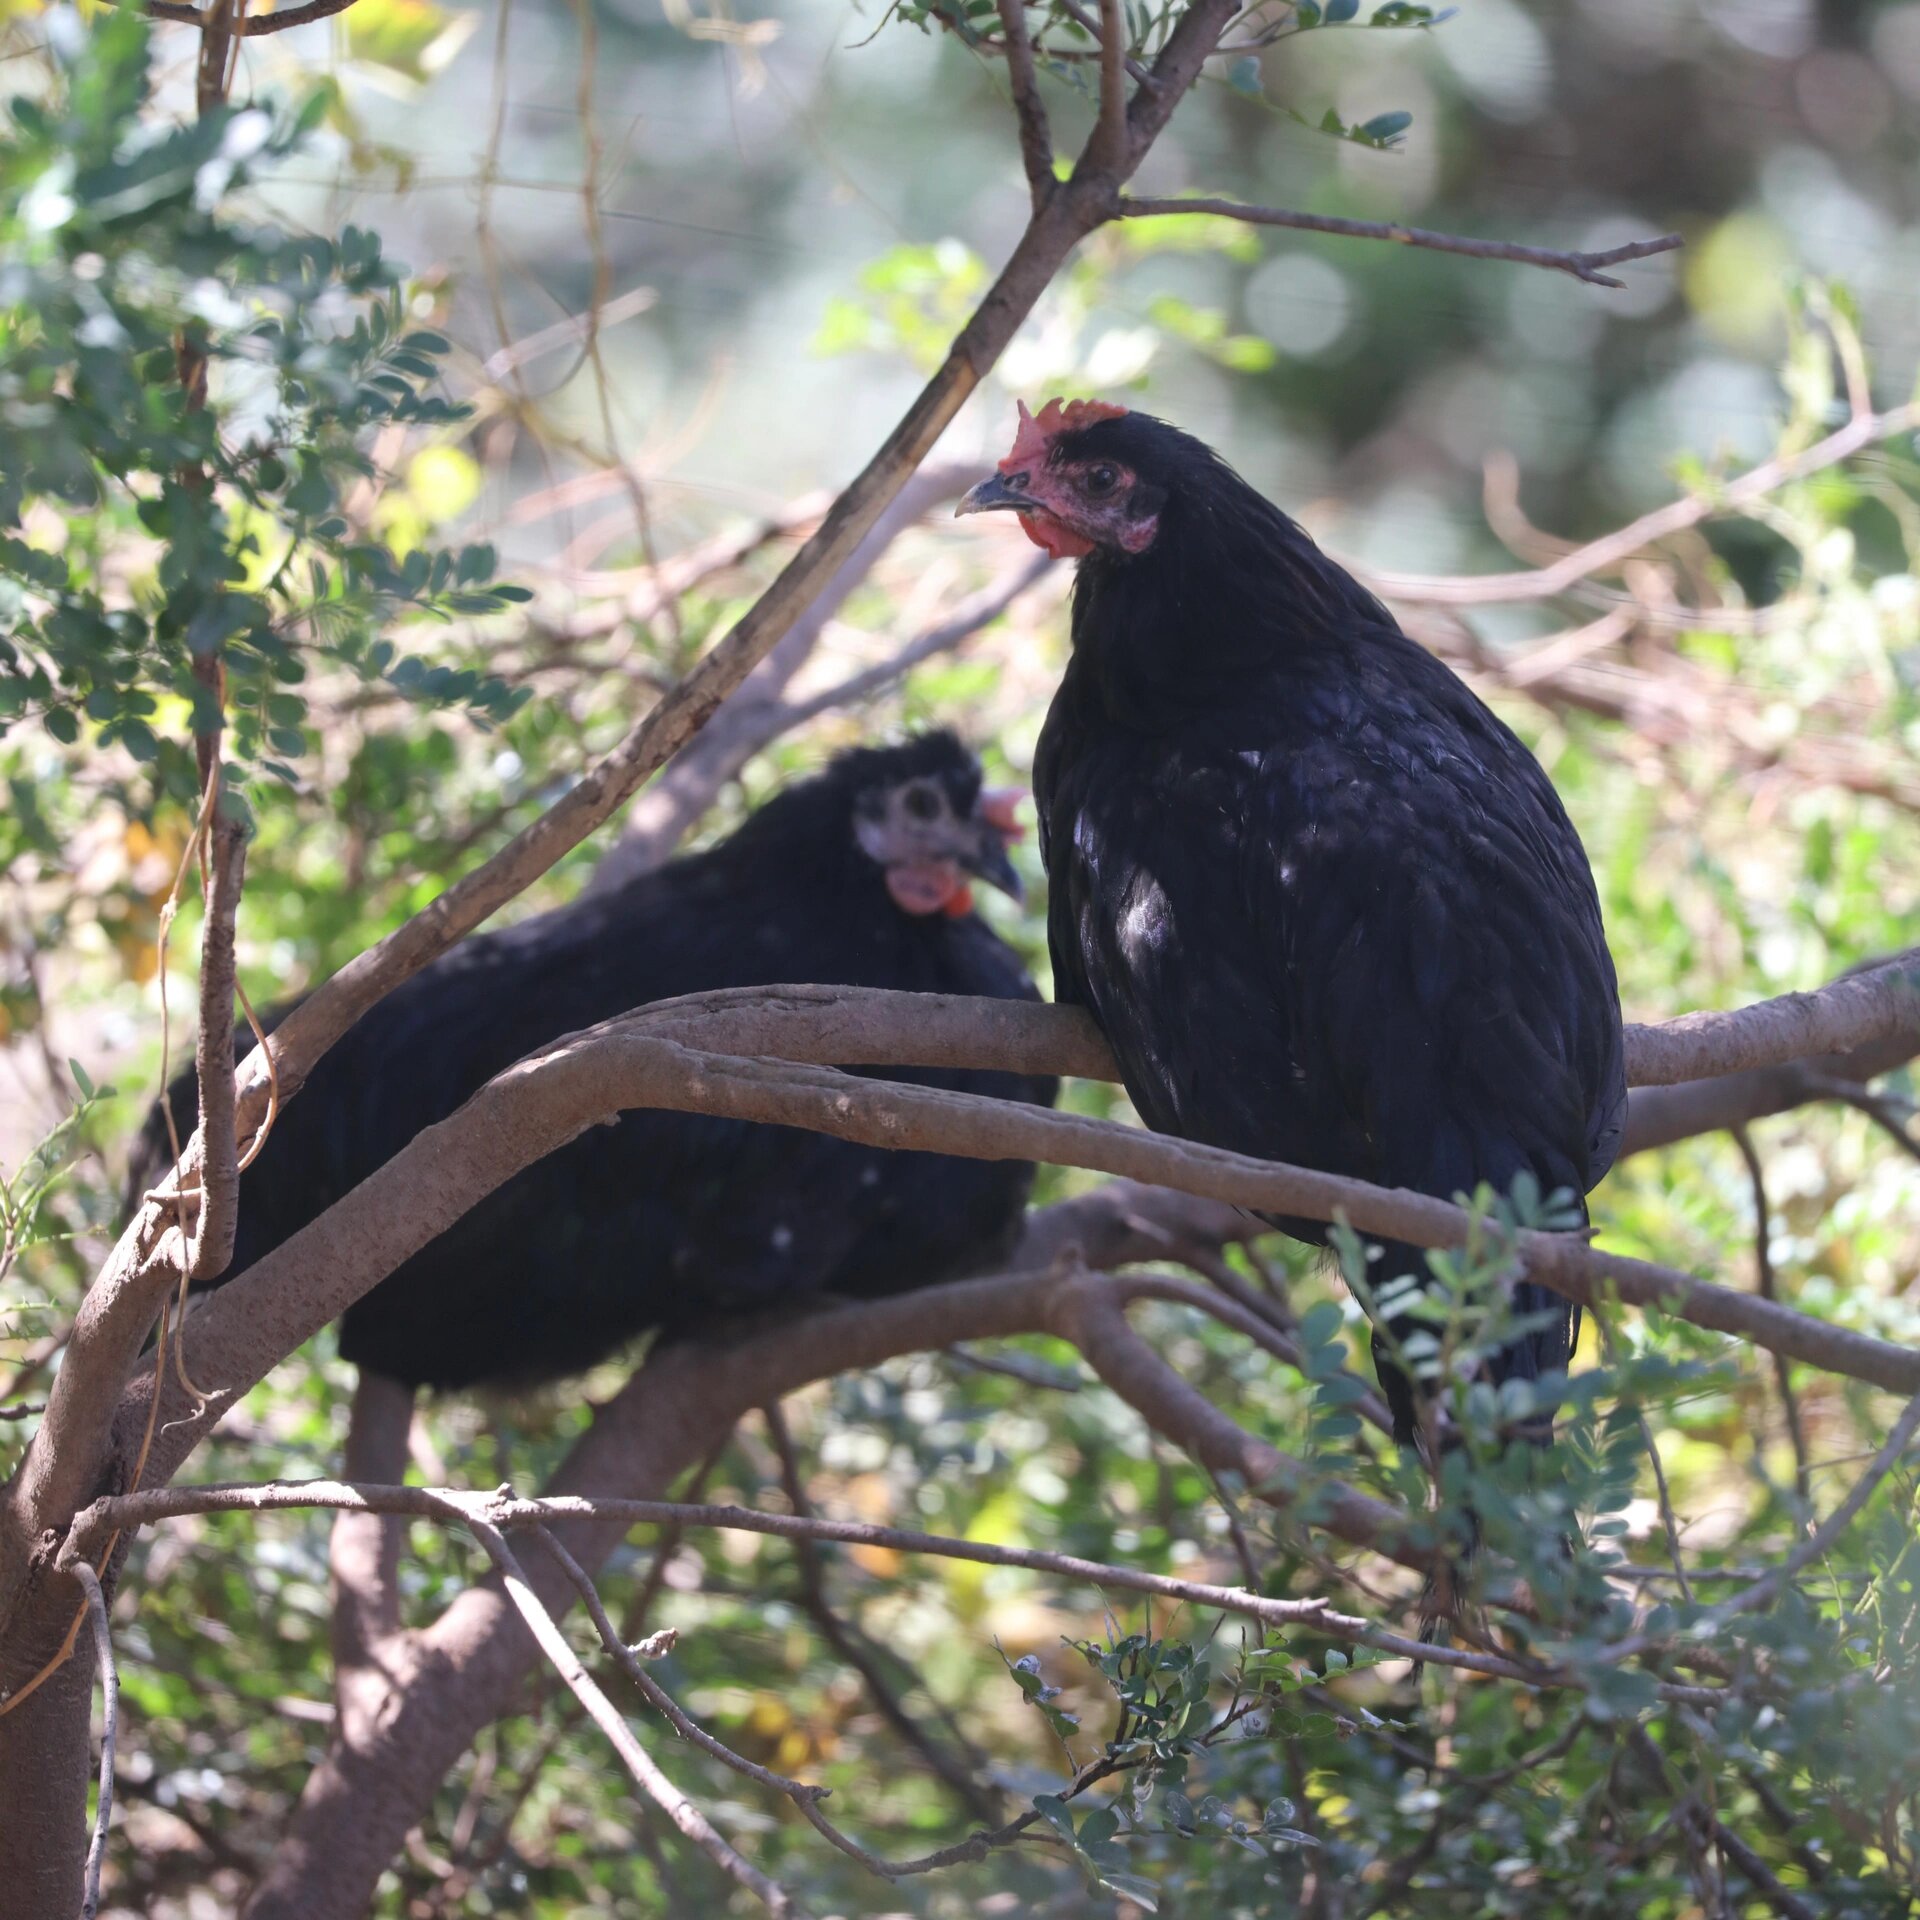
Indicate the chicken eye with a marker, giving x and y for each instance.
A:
(921, 803)
(1100, 480)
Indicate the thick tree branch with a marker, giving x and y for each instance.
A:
(1582, 266)
(1865, 1009)
(365, 1550)
(541, 1103)
(1660, 1116)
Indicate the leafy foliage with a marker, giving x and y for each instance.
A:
(204, 384)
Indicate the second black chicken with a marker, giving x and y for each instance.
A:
(858, 876)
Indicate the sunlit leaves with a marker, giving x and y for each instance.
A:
(912, 301)
(194, 527)
(412, 38)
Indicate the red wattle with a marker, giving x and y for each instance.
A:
(926, 886)
(1059, 540)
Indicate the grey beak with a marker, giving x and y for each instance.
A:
(995, 492)
(989, 862)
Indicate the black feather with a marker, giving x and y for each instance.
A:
(1324, 905)
(665, 1220)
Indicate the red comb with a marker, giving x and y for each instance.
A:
(1057, 416)
(999, 807)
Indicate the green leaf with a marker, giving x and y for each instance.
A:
(1053, 1810)
(1384, 128)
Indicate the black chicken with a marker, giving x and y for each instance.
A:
(859, 877)
(1325, 907)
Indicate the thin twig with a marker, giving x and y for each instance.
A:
(1882, 1109)
(806, 1798)
(608, 1718)
(1765, 1590)
(1668, 1520)
(1677, 516)
(1583, 266)
(847, 1645)
(1764, 1279)
(1137, 70)
(504, 1508)
(976, 611)
(83, 1572)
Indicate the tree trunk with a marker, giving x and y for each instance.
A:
(45, 1768)
(440, 1686)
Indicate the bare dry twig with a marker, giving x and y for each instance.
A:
(852, 1649)
(1766, 1589)
(1678, 516)
(479, 1512)
(109, 1729)
(607, 1717)
(1763, 1267)
(1582, 266)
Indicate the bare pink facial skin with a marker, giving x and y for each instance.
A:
(941, 886)
(1067, 507)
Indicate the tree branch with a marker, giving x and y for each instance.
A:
(1660, 1116)
(547, 1100)
(211, 1247)
(608, 1718)
(958, 1778)
(1864, 1009)
(1583, 266)
(1763, 1274)
(254, 24)
(1820, 1541)
(754, 716)
(1036, 143)
(69, 1451)
(321, 1019)
(365, 1550)
(1678, 516)
(1108, 148)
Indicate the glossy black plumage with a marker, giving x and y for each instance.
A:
(663, 1220)
(1324, 905)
